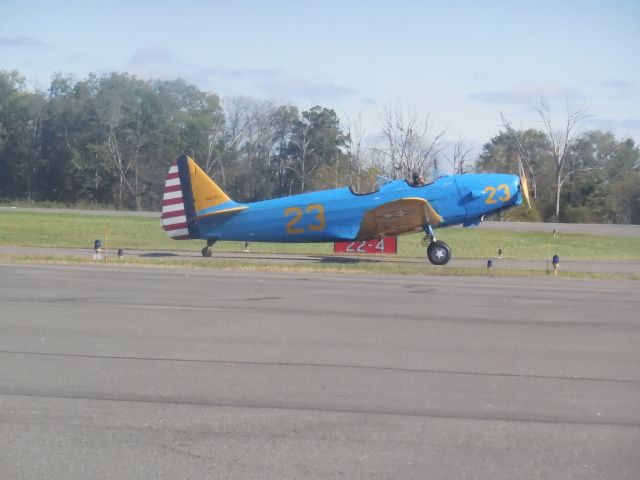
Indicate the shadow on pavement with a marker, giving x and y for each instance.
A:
(343, 260)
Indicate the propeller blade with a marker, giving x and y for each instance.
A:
(524, 186)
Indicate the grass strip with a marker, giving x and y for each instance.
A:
(306, 267)
(79, 231)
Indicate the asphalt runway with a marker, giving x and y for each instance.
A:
(164, 373)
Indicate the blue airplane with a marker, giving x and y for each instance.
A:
(195, 207)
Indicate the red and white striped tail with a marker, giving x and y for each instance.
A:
(174, 218)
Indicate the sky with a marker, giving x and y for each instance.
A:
(461, 63)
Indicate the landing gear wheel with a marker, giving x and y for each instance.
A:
(438, 253)
(206, 251)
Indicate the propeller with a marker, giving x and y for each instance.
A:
(524, 185)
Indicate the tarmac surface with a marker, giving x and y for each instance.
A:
(167, 373)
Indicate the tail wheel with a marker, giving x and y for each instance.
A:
(207, 251)
(438, 253)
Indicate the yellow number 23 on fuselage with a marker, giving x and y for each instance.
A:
(296, 212)
(491, 199)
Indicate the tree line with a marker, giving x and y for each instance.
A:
(108, 140)
(579, 177)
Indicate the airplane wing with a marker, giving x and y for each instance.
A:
(220, 212)
(397, 217)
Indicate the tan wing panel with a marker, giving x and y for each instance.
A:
(398, 217)
(226, 211)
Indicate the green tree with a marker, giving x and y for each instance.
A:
(596, 164)
(503, 152)
(562, 141)
(585, 188)
(623, 198)
(282, 159)
(72, 141)
(21, 121)
(621, 160)
(316, 142)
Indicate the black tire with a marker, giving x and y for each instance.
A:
(207, 251)
(438, 253)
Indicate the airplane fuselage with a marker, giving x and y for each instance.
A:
(336, 215)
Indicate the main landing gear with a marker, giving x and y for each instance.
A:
(438, 252)
(208, 250)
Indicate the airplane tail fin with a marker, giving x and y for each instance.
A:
(187, 191)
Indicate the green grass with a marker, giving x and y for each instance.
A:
(479, 243)
(80, 231)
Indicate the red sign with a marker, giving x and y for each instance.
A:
(388, 245)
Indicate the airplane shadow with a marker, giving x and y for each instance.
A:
(158, 255)
(344, 260)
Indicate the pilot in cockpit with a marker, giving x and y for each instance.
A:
(417, 180)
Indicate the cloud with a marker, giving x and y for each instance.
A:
(614, 84)
(526, 94)
(157, 62)
(21, 42)
(151, 55)
(237, 73)
(624, 125)
(299, 88)
(630, 123)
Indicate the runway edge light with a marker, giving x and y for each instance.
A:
(556, 264)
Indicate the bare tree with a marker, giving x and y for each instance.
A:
(139, 136)
(215, 136)
(516, 137)
(355, 133)
(302, 141)
(408, 143)
(260, 137)
(237, 115)
(33, 127)
(125, 141)
(119, 162)
(561, 141)
(459, 158)
(283, 123)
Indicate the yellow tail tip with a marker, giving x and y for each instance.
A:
(206, 193)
